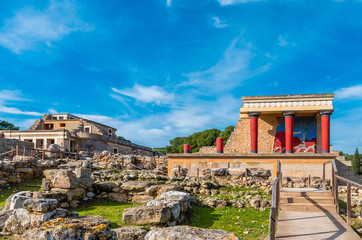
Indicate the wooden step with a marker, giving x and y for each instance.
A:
(306, 194)
(317, 200)
(307, 207)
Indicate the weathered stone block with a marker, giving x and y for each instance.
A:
(153, 215)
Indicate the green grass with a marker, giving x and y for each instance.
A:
(113, 211)
(233, 220)
(31, 185)
(356, 223)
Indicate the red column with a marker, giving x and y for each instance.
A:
(219, 145)
(325, 121)
(254, 116)
(289, 120)
(187, 148)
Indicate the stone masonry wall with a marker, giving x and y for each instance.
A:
(207, 150)
(6, 144)
(239, 141)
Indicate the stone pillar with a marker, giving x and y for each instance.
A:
(254, 116)
(325, 121)
(289, 120)
(187, 148)
(219, 145)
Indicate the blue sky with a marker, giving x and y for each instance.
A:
(158, 69)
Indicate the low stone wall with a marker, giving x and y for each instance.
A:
(293, 165)
(22, 168)
(7, 144)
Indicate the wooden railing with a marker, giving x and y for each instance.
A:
(274, 211)
(39, 153)
(335, 179)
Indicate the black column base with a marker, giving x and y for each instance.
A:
(187, 151)
(289, 151)
(253, 151)
(219, 151)
(325, 151)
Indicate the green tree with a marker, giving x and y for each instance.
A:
(226, 133)
(4, 125)
(198, 140)
(123, 139)
(356, 163)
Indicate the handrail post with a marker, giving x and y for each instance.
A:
(17, 150)
(324, 176)
(349, 204)
(336, 193)
(179, 171)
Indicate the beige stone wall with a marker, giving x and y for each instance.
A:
(291, 165)
(266, 133)
(207, 150)
(239, 141)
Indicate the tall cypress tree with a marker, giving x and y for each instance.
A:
(356, 163)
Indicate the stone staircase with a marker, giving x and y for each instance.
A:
(306, 200)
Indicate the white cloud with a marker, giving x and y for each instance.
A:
(219, 23)
(232, 2)
(168, 3)
(52, 111)
(11, 110)
(11, 95)
(29, 27)
(353, 92)
(151, 94)
(231, 70)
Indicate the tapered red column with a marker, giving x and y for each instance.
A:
(187, 148)
(325, 121)
(289, 121)
(254, 116)
(219, 145)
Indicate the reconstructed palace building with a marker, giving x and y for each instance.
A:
(294, 129)
(73, 133)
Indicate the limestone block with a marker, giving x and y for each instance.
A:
(189, 233)
(153, 215)
(130, 232)
(61, 178)
(16, 200)
(118, 197)
(40, 205)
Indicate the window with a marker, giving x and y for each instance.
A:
(61, 118)
(62, 125)
(110, 133)
(55, 118)
(87, 129)
(115, 150)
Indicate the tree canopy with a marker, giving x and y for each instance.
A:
(4, 125)
(197, 140)
(123, 139)
(356, 163)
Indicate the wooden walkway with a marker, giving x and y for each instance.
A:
(313, 226)
(307, 214)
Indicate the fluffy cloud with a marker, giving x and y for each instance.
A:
(29, 27)
(151, 94)
(353, 92)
